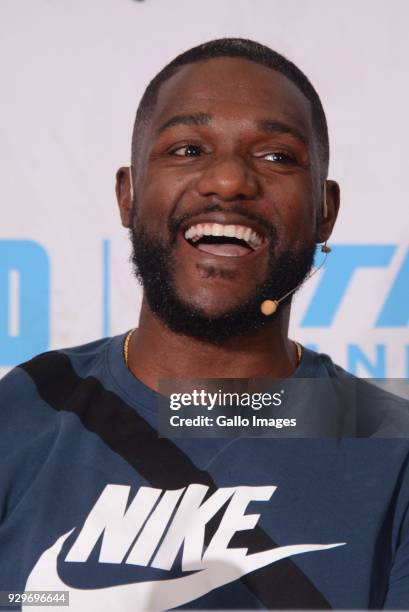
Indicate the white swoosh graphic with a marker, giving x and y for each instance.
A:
(154, 595)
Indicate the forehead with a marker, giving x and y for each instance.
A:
(233, 88)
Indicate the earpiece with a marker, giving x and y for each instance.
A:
(325, 248)
(324, 205)
(131, 182)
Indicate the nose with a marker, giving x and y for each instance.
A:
(229, 178)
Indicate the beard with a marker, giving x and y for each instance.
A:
(152, 263)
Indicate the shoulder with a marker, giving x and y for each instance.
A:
(51, 374)
(320, 365)
(375, 407)
(80, 360)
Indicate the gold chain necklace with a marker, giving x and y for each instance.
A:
(126, 346)
(299, 352)
(130, 334)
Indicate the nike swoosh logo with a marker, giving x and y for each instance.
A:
(154, 595)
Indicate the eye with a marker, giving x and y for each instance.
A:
(279, 157)
(188, 150)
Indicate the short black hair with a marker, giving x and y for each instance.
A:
(250, 50)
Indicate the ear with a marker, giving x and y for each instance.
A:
(124, 194)
(330, 207)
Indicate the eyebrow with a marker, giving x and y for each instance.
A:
(276, 127)
(190, 119)
(264, 125)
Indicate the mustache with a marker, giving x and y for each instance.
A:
(175, 221)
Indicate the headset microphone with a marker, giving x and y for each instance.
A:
(324, 203)
(131, 182)
(269, 307)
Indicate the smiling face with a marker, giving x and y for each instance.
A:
(227, 195)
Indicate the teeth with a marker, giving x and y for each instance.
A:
(255, 239)
(230, 231)
(241, 232)
(217, 229)
(247, 234)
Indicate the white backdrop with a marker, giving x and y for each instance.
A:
(72, 73)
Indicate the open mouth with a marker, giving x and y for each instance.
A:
(223, 240)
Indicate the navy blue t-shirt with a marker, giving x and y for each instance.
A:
(94, 502)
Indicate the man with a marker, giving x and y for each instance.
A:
(226, 199)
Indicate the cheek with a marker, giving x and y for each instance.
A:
(159, 196)
(153, 204)
(295, 213)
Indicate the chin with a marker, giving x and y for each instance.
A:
(211, 305)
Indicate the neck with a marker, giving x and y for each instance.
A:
(157, 353)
